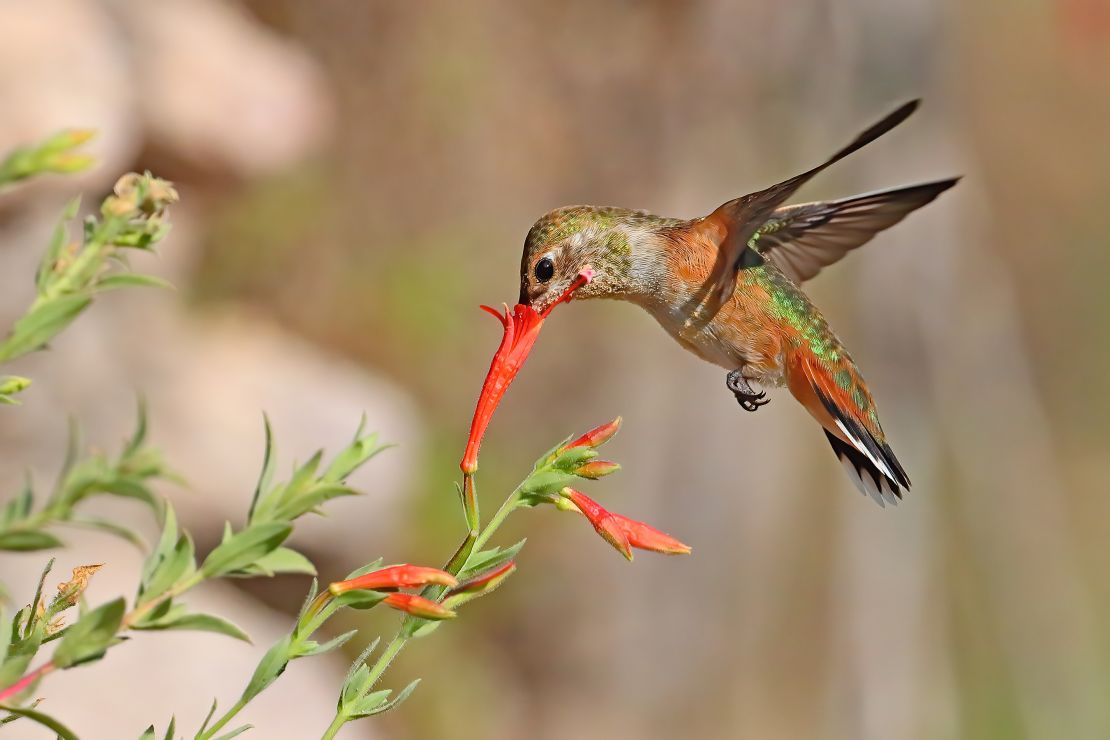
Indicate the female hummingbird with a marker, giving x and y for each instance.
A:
(727, 288)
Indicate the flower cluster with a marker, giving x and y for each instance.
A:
(579, 458)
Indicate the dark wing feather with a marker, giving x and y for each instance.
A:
(803, 239)
(742, 217)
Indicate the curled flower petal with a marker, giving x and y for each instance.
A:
(522, 327)
(597, 436)
(418, 606)
(397, 576)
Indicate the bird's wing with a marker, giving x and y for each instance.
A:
(803, 239)
(738, 220)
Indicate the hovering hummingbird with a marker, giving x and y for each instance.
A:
(727, 288)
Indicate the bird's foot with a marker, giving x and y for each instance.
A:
(746, 396)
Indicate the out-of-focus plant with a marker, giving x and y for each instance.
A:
(23, 526)
(73, 271)
(70, 275)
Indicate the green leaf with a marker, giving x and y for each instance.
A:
(545, 483)
(33, 609)
(167, 542)
(39, 325)
(57, 243)
(91, 635)
(234, 733)
(572, 458)
(367, 705)
(360, 599)
(269, 460)
(207, 718)
(282, 560)
(354, 456)
(104, 525)
(148, 734)
(27, 540)
(369, 567)
(405, 694)
(179, 563)
(245, 548)
(172, 729)
(271, 666)
(132, 280)
(138, 437)
(314, 648)
(198, 622)
(63, 732)
(488, 560)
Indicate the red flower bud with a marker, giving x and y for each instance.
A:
(418, 606)
(522, 326)
(597, 436)
(603, 521)
(624, 533)
(646, 537)
(595, 469)
(397, 576)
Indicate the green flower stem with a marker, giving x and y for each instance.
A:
(223, 720)
(469, 546)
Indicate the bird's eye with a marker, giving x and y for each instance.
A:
(545, 269)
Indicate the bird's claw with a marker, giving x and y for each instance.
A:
(753, 402)
(746, 396)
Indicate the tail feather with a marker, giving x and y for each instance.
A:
(846, 412)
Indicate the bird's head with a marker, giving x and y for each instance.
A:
(568, 242)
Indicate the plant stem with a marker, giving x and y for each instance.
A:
(223, 720)
(26, 681)
(507, 507)
(387, 657)
(333, 728)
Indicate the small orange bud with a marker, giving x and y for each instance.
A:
(595, 469)
(418, 606)
(397, 576)
(597, 436)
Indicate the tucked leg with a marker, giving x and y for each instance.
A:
(746, 396)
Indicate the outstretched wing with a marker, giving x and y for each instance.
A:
(803, 239)
(738, 220)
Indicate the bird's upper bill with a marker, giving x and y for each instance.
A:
(522, 326)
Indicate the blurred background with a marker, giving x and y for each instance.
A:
(356, 177)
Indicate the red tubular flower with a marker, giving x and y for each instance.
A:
(418, 606)
(597, 436)
(522, 326)
(624, 533)
(397, 576)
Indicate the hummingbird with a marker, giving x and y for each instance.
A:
(727, 287)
